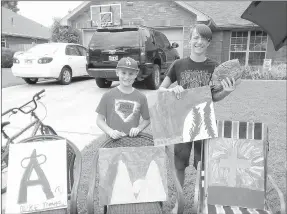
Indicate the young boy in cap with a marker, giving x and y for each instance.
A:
(120, 108)
(190, 72)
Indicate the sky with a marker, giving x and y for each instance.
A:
(44, 11)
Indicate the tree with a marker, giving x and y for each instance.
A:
(67, 34)
(12, 5)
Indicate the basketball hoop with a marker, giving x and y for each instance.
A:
(105, 24)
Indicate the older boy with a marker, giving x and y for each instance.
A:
(190, 72)
(120, 108)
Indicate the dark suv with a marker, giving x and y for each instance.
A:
(149, 47)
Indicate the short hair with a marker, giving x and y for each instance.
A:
(203, 30)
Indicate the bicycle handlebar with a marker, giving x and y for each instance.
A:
(34, 99)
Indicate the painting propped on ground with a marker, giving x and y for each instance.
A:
(187, 119)
(132, 175)
(37, 177)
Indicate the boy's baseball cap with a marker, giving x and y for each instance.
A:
(128, 63)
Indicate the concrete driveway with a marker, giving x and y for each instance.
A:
(7, 78)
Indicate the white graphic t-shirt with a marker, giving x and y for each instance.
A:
(122, 111)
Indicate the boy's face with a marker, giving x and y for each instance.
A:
(126, 76)
(198, 44)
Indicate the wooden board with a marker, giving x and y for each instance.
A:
(182, 120)
(132, 175)
(37, 177)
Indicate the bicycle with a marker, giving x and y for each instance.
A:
(37, 124)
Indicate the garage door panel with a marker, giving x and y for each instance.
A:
(87, 37)
(179, 48)
(174, 35)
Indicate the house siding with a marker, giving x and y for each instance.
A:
(225, 45)
(21, 43)
(214, 50)
(155, 14)
(276, 56)
(220, 45)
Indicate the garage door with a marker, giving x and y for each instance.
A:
(174, 35)
(87, 37)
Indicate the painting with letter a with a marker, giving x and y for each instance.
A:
(37, 177)
(132, 175)
(236, 164)
(182, 120)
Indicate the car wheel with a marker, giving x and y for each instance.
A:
(31, 81)
(66, 76)
(153, 80)
(103, 83)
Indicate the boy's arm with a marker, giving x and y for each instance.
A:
(101, 122)
(169, 78)
(143, 125)
(135, 131)
(219, 95)
(228, 87)
(165, 84)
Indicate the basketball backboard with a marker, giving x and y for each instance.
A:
(106, 15)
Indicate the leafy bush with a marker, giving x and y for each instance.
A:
(65, 34)
(277, 72)
(6, 57)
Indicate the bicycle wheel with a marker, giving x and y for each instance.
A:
(70, 156)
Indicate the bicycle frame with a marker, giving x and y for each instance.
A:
(37, 123)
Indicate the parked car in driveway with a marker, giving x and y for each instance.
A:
(60, 61)
(149, 47)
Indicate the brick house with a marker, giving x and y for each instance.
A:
(20, 33)
(233, 37)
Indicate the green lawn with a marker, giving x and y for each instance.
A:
(258, 101)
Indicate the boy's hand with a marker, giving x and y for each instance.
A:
(228, 85)
(177, 91)
(115, 134)
(134, 132)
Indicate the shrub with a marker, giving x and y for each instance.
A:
(6, 58)
(277, 72)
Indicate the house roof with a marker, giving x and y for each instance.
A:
(16, 25)
(79, 9)
(222, 14)
(225, 14)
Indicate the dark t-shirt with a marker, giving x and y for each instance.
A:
(191, 74)
(122, 111)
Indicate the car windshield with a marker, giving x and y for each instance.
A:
(115, 40)
(43, 49)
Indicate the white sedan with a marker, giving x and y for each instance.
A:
(60, 61)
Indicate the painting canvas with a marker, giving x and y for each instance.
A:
(187, 119)
(236, 165)
(37, 177)
(132, 175)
